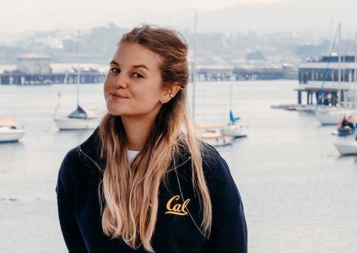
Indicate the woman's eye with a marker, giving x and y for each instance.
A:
(115, 70)
(137, 75)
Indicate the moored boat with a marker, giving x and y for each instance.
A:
(213, 136)
(347, 147)
(10, 131)
(80, 119)
(235, 129)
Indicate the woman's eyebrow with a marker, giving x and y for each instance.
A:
(114, 63)
(141, 66)
(134, 66)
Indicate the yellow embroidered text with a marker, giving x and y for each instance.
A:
(177, 209)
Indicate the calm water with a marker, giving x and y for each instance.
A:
(299, 194)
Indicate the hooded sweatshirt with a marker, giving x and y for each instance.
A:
(179, 213)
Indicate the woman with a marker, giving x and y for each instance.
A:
(143, 182)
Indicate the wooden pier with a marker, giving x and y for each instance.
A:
(211, 73)
(36, 69)
(222, 73)
(326, 96)
(19, 78)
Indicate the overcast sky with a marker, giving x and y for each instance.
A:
(24, 15)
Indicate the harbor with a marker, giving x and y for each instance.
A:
(286, 157)
(272, 87)
(37, 69)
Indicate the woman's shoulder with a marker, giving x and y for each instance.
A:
(70, 163)
(218, 176)
(213, 162)
(77, 159)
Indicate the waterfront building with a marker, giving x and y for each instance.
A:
(327, 79)
(35, 69)
(34, 64)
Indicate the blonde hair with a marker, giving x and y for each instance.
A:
(131, 191)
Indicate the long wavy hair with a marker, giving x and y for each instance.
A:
(131, 190)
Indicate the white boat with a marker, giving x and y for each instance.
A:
(333, 116)
(209, 134)
(235, 128)
(347, 147)
(80, 119)
(214, 137)
(10, 131)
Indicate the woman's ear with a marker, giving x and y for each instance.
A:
(173, 89)
(170, 92)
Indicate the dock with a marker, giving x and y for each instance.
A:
(245, 73)
(35, 69)
(20, 78)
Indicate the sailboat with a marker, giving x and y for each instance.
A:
(235, 128)
(212, 135)
(81, 118)
(334, 115)
(10, 131)
(348, 146)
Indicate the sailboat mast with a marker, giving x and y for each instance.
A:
(194, 66)
(339, 64)
(78, 67)
(355, 79)
(231, 91)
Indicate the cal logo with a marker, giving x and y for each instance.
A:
(173, 207)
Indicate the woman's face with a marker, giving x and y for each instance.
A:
(133, 86)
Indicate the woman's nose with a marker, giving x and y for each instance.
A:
(120, 81)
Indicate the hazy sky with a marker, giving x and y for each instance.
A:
(23, 15)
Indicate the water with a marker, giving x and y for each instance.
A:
(299, 194)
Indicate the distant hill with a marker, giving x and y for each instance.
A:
(278, 32)
(308, 17)
(304, 16)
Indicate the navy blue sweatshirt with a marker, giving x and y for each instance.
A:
(179, 213)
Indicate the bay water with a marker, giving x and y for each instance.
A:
(299, 194)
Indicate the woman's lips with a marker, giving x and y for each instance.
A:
(116, 95)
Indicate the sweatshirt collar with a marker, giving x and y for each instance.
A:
(91, 149)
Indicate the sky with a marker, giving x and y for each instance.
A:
(312, 16)
(25, 15)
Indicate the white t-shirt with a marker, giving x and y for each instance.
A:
(132, 154)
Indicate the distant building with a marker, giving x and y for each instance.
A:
(36, 70)
(34, 64)
(327, 80)
(326, 68)
(290, 72)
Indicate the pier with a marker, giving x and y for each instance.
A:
(328, 96)
(244, 73)
(35, 69)
(20, 78)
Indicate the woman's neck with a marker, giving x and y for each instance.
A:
(137, 132)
